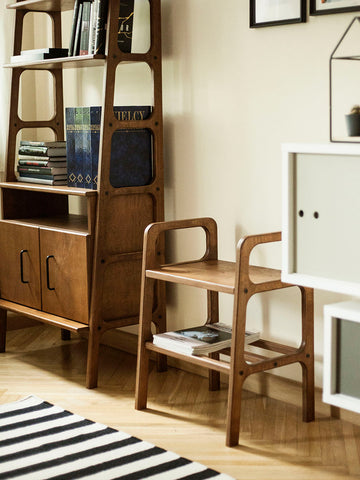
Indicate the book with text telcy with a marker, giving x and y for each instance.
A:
(200, 340)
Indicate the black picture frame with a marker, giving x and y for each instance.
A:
(317, 7)
(272, 20)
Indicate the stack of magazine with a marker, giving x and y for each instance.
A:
(200, 340)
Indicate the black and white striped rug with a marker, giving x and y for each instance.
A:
(41, 441)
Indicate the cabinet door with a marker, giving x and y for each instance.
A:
(327, 205)
(19, 264)
(64, 274)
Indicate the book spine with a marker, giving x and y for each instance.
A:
(70, 144)
(92, 27)
(95, 119)
(78, 30)
(32, 150)
(79, 148)
(42, 181)
(101, 27)
(73, 28)
(86, 140)
(40, 176)
(85, 24)
(34, 163)
(42, 170)
(125, 29)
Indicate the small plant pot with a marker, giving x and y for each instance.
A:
(353, 124)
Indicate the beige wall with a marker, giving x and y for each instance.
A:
(232, 95)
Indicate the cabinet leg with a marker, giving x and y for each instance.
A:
(307, 312)
(92, 368)
(65, 334)
(3, 326)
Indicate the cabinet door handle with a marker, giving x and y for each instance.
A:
(48, 272)
(22, 267)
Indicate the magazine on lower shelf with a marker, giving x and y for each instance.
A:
(200, 340)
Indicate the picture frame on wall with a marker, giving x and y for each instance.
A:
(324, 7)
(265, 13)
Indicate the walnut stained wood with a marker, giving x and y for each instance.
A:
(243, 281)
(84, 273)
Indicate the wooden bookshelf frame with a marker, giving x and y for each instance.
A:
(114, 249)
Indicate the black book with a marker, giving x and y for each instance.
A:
(41, 170)
(100, 23)
(78, 30)
(125, 29)
(73, 28)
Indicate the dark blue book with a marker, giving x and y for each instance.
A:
(70, 144)
(131, 150)
(86, 148)
(78, 169)
(95, 120)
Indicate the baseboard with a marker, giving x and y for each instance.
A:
(267, 384)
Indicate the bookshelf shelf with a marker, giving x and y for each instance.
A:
(79, 272)
(58, 63)
(43, 5)
(58, 189)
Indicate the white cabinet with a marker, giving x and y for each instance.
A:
(341, 386)
(321, 216)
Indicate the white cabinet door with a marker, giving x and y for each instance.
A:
(327, 209)
(321, 216)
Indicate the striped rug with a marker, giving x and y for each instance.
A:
(41, 441)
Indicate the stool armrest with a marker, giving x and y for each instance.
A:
(153, 232)
(247, 244)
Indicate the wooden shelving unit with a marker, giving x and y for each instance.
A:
(80, 273)
(241, 280)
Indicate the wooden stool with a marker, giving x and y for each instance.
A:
(241, 280)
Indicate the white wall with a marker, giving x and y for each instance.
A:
(232, 95)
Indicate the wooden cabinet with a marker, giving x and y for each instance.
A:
(79, 272)
(45, 269)
(20, 264)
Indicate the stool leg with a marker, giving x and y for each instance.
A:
(308, 386)
(213, 316)
(143, 357)
(238, 370)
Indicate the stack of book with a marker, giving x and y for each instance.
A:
(42, 162)
(200, 340)
(89, 27)
(39, 54)
(131, 150)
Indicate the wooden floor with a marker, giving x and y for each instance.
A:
(183, 416)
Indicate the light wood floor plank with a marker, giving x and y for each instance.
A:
(183, 416)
